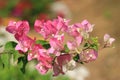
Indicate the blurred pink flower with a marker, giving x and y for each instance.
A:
(108, 40)
(21, 7)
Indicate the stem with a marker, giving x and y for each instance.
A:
(86, 48)
(54, 60)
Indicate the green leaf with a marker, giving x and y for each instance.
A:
(86, 45)
(10, 48)
(1, 64)
(1, 46)
(95, 43)
(66, 48)
(94, 46)
(5, 58)
(76, 58)
(6, 54)
(44, 43)
(10, 45)
(22, 61)
(94, 39)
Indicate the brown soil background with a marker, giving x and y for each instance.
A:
(105, 14)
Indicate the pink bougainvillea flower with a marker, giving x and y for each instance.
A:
(46, 29)
(53, 51)
(71, 45)
(61, 55)
(49, 28)
(45, 61)
(61, 60)
(12, 27)
(79, 40)
(108, 40)
(61, 24)
(34, 52)
(87, 26)
(72, 31)
(75, 43)
(41, 68)
(25, 43)
(57, 69)
(82, 29)
(19, 28)
(57, 42)
(38, 26)
(83, 26)
(88, 55)
(21, 48)
(45, 58)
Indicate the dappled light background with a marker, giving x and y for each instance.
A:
(105, 14)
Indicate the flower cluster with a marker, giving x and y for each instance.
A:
(57, 50)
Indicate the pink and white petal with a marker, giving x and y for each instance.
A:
(57, 69)
(111, 40)
(79, 39)
(71, 45)
(11, 28)
(63, 59)
(106, 37)
(84, 22)
(38, 26)
(51, 50)
(41, 68)
(21, 48)
(29, 57)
